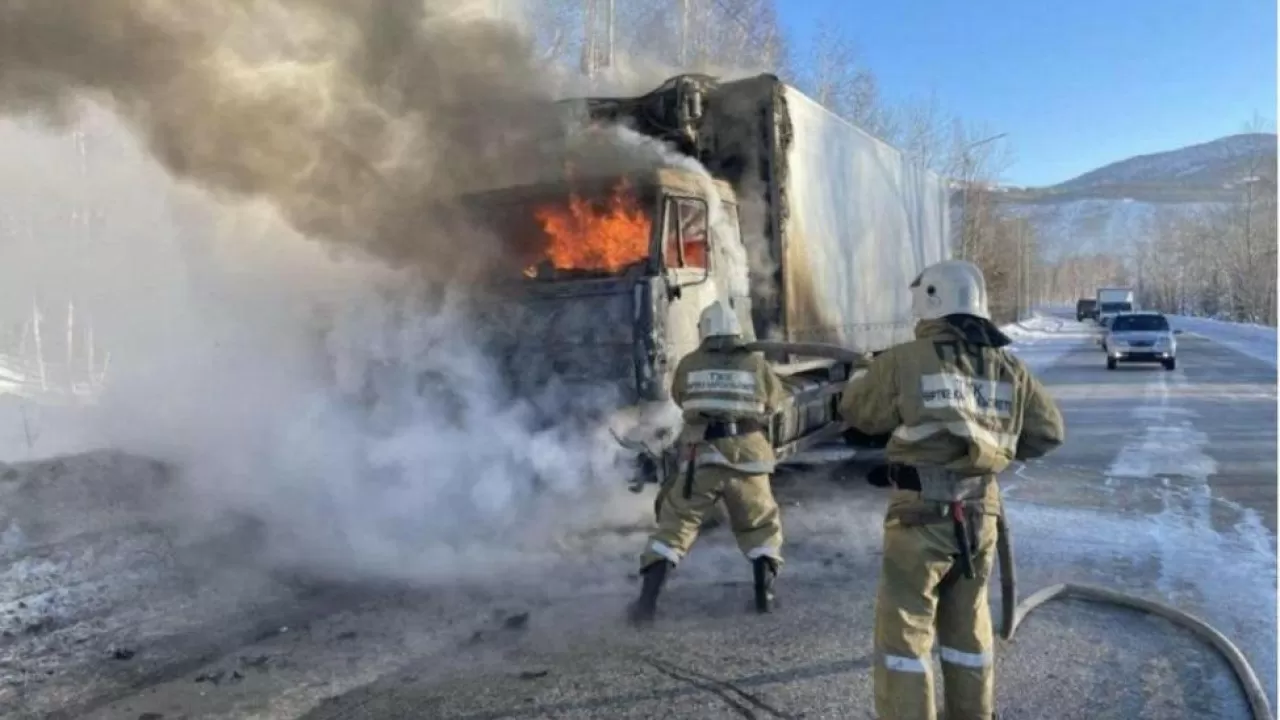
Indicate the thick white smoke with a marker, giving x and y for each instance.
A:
(345, 405)
(289, 321)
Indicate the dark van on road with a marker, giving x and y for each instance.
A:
(1086, 308)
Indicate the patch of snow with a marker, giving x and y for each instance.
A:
(1170, 444)
(1256, 341)
(1164, 450)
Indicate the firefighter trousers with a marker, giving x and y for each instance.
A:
(753, 514)
(923, 588)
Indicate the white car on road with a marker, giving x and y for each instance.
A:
(1141, 337)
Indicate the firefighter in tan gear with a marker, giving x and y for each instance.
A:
(727, 395)
(960, 408)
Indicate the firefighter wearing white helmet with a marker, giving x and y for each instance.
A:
(959, 408)
(727, 394)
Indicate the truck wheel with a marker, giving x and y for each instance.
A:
(1111, 363)
(1170, 364)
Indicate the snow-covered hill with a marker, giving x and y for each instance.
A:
(1105, 209)
(1220, 164)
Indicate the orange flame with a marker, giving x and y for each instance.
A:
(583, 236)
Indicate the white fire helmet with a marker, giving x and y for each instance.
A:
(947, 288)
(718, 320)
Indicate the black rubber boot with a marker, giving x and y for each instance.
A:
(765, 570)
(645, 607)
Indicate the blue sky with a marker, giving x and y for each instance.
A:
(1076, 83)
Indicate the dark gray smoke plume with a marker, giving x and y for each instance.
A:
(355, 118)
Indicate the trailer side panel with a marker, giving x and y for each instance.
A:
(859, 223)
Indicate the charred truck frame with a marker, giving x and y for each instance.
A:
(837, 224)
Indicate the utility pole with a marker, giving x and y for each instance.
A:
(965, 170)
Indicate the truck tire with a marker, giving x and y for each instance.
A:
(1111, 363)
(1170, 364)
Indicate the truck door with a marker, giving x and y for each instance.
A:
(687, 270)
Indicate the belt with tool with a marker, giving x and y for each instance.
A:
(715, 430)
(961, 513)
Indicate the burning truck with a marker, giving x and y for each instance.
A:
(811, 228)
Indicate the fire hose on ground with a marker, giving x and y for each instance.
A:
(1013, 612)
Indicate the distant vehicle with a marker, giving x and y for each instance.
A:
(1112, 301)
(1086, 308)
(1141, 337)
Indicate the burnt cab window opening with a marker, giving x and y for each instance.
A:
(556, 232)
(687, 233)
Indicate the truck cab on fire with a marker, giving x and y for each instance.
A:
(810, 228)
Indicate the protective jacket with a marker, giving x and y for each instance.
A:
(953, 398)
(726, 384)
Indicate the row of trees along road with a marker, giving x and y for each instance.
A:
(1216, 259)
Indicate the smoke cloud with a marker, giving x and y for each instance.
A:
(352, 118)
(291, 322)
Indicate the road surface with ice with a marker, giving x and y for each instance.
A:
(1166, 488)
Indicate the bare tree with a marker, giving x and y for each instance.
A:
(922, 132)
(832, 74)
(550, 24)
(1216, 260)
(714, 36)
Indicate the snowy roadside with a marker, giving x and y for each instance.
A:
(1041, 340)
(1256, 341)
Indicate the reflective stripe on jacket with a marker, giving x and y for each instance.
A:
(728, 384)
(954, 398)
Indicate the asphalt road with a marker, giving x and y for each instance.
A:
(1213, 418)
(1166, 488)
